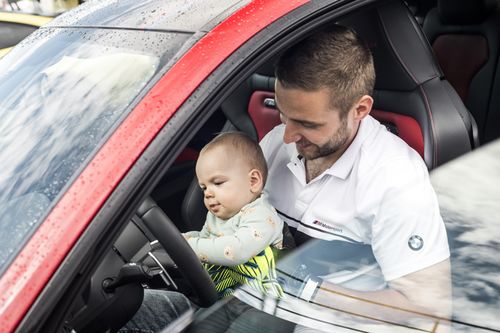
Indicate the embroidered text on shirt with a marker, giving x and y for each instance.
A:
(327, 226)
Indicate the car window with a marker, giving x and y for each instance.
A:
(45, 138)
(468, 191)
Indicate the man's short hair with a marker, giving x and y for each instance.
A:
(240, 145)
(333, 58)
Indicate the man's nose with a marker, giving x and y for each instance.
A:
(291, 134)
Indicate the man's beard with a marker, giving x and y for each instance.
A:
(337, 142)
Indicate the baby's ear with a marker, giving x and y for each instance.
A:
(256, 181)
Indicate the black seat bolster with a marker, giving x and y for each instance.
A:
(193, 210)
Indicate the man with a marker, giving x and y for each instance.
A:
(341, 177)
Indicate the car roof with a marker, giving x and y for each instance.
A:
(160, 15)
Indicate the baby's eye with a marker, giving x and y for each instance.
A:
(203, 188)
(218, 183)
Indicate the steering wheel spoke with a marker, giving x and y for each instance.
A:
(169, 237)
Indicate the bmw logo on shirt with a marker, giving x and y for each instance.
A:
(415, 242)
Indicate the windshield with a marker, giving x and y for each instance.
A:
(59, 98)
(468, 192)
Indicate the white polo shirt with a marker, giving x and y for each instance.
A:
(377, 194)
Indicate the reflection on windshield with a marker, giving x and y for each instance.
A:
(469, 193)
(57, 105)
(468, 190)
(346, 309)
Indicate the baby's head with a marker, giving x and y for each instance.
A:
(231, 171)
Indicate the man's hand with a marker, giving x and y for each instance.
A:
(423, 295)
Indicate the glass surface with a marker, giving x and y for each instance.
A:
(152, 14)
(61, 92)
(468, 191)
(469, 194)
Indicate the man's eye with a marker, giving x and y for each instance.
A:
(310, 126)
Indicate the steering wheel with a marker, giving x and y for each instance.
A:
(179, 250)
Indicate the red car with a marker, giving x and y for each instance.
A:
(104, 110)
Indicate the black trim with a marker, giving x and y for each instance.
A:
(317, 229)
(145, 231)
(288, 217)
(100, 27)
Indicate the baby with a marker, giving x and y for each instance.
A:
(241, 229)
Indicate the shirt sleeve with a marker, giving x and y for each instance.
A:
(204, 232)
(257, 230)
(191, 234)
(408, 232)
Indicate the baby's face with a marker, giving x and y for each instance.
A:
(225, 181)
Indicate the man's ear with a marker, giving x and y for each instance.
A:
(363, 107)
(256, 181)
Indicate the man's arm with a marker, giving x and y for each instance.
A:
(424, 294)
(406, 208)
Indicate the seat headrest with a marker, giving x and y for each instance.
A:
(399, 65)
(462, 12)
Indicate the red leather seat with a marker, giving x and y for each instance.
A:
(465, 36)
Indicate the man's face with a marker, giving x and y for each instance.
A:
(310, 122)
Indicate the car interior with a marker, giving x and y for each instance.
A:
(469, 31)
(417, 97)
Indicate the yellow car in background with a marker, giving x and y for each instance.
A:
(14, 27)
